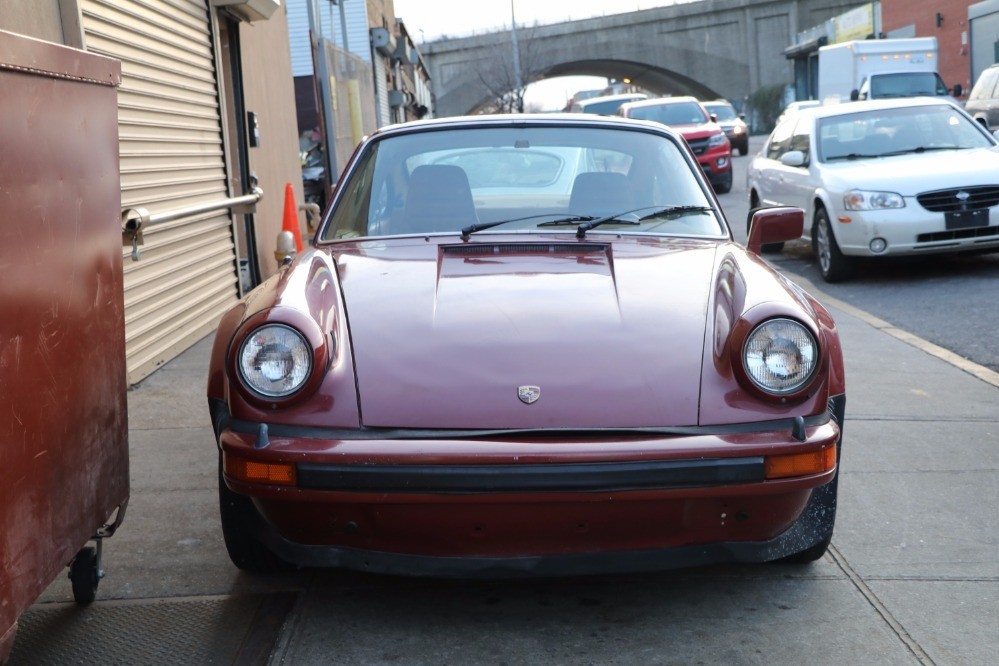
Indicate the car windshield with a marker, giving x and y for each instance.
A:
(909, 84)
(722, 111)
(672, 113)
(895, 131)
(517, 179)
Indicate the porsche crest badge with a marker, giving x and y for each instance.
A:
(529, 394)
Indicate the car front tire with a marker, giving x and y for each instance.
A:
(724, 184)
(833, 264)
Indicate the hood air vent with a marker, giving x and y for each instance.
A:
(480, 249)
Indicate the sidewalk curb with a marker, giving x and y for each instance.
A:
(979, 371)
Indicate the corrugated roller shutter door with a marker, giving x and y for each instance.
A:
(171, 156)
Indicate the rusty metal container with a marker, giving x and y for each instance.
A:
(63, 417)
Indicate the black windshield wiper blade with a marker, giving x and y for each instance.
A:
(852, 156)
(919, 150)
(572, 219)
(670, 211)
(482, 226)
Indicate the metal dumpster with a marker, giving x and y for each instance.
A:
(63, 425)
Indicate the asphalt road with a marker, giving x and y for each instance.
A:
(950, 300)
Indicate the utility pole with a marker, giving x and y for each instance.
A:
(518, 83)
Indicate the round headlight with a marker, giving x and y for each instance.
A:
(780, 356)
(275, 360)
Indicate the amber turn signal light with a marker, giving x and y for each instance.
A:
(282, 474)
(800, 464)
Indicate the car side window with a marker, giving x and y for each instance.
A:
(780, 140)
(800, 138)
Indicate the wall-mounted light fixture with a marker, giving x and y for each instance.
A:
(939, 19)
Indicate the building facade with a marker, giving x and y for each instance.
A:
(207, 143)
(947, 20)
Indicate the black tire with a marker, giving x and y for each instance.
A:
(833, 264)
(723, 184)
(84, 576)
(744, 147)
(766, 248)
(244, 550)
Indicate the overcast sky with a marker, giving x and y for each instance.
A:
(429, 19)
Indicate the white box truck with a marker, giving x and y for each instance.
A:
(873, 68)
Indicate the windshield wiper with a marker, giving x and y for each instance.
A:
(472, 228)
(920, 149)
(852, 156)
(670, 211)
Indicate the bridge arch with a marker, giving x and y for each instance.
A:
(658, 80)
(711, 48)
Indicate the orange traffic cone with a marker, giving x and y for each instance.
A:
(290, 222)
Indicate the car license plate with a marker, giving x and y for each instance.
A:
(966, 219)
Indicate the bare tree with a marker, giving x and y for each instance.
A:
(506, 88)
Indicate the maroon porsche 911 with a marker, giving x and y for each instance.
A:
(527, 345)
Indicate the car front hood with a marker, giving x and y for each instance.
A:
(913, 174)
(445, 336)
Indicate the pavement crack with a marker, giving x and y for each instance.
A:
(896, 627)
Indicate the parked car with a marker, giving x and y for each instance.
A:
(687, 116)
(983, 101)
(731, 122)
(606, 105)
(794, 107)
(883, 178)
(465, 378)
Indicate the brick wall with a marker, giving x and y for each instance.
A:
(955, 59)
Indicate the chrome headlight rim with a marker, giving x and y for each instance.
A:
(306, 356)
(861, 200)
(802, 383)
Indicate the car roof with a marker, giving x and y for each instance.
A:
(525, 120)
(843, 108)
(611, 98)
(661, 101)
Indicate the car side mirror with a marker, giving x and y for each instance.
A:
(742, 116)
(774, 225)
(854, 95)
(957, 90)
(714, 117)
(793, 158)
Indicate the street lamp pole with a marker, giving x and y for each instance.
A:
(517, 82)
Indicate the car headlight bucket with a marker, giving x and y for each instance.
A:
(717, 140)
(780, 356)
(275, 360)
(864, 200)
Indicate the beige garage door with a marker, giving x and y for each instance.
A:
(172, 157)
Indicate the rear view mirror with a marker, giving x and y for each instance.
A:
(957, 90)
(775, 225)
(854, 95)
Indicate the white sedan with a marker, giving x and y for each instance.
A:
(883, 177)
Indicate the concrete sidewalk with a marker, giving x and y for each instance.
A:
(912, 577)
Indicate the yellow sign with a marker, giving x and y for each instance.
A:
(855, 24)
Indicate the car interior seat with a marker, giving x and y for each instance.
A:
(601, 193)
(439, 199)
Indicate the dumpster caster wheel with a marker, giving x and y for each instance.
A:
(85, 575)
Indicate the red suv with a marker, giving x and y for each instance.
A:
(705, 137)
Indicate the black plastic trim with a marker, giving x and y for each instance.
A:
(548, 477)
(309, 432)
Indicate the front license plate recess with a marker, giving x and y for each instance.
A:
(966, 219)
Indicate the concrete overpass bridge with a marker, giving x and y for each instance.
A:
(711, 48)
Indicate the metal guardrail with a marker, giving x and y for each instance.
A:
(135, 220)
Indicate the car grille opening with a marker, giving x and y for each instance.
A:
(960, 199)
(699, 146)
(958, 234)
(478, 249)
